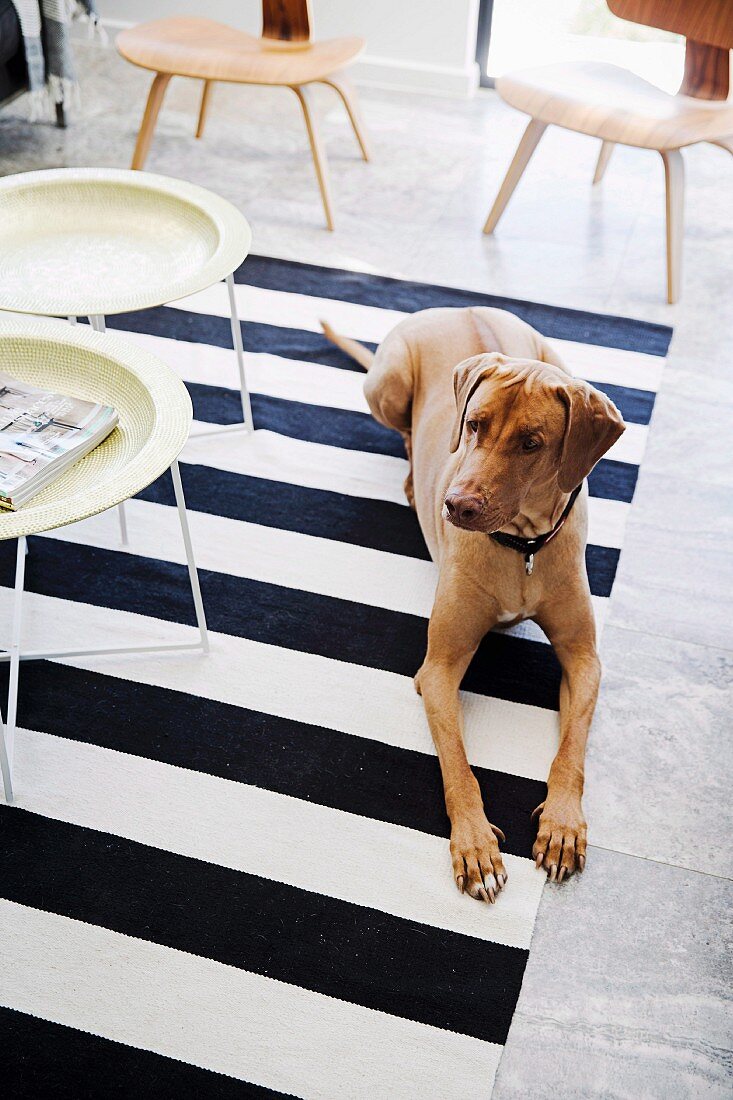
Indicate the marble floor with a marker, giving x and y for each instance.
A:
(628, 988)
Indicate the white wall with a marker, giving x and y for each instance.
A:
(426, 45)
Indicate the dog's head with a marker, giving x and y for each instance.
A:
(523, 427)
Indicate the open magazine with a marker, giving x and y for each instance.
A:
(41, 435)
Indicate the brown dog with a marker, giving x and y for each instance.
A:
(502, 442)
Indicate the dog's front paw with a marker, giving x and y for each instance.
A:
(561, 837)
(477, 864)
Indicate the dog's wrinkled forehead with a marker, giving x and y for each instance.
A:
(529, 383)
(518, 397)
(492, 381)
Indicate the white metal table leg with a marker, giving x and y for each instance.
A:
(8, 733)
(98, 323)
(122, 516)
(14, 656)
(237, 341)
(192, 573)
(247, 424)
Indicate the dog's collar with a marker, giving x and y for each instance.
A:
(529, 547)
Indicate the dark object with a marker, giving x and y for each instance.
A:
(483, 39)
(286, 20)
(13, 73)
(708, 27)
(13, 70)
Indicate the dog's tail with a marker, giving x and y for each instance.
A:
(357, 351)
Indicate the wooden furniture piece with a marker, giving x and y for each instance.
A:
(154, 419)
(284, 56)
(618, 107)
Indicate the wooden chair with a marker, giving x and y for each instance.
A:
(618, 107)
(284, 56)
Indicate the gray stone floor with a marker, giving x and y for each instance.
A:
(628, 987)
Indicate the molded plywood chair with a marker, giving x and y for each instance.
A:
(284, 56)
(620, 108)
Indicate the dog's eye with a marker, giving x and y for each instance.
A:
(530, 444)
(472, 425)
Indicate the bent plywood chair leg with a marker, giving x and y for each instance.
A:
(304, 94)
(674, 175)
(343, 86)
(525, 149)
(152, 107)
(204, 108)
(603, 158)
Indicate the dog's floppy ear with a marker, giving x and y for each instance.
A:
(466, 377)
(593, 425)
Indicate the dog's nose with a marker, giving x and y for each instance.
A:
(463, 507)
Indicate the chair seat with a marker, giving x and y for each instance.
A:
(610, 103)
(207, 50)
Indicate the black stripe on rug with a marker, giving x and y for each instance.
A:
(204, 328)
(408, 297)
(312, 763)
(357, 954)
(352, 431)
(305, 347)
(359, 521)
(42, 1058)
(505, 667)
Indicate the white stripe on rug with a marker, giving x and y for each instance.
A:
(354, 473)
(309, 383)
(356, 859)
(382, 706)
(228, 1020)
(614, 366)
(287, 558)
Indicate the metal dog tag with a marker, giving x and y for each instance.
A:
(529, 564)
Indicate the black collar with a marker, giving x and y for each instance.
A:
(529, 547)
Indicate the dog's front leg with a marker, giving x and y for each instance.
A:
(560, 847)
(457, 625)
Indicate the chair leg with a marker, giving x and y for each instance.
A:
(525, 149)
(99, 324)
(343, 86)
(204, 109)
(7, 730)
(237, 341)
(304, 94)
(674, 176)
(603, 158)
(152, 107)
(192, 573)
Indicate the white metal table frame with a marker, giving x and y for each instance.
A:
(15, 654)
(99, 323)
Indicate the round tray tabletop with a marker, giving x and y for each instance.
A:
(152, 403)
(81, 241)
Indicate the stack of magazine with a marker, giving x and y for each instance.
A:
(41, 435)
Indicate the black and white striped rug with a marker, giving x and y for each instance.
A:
(229, 876)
